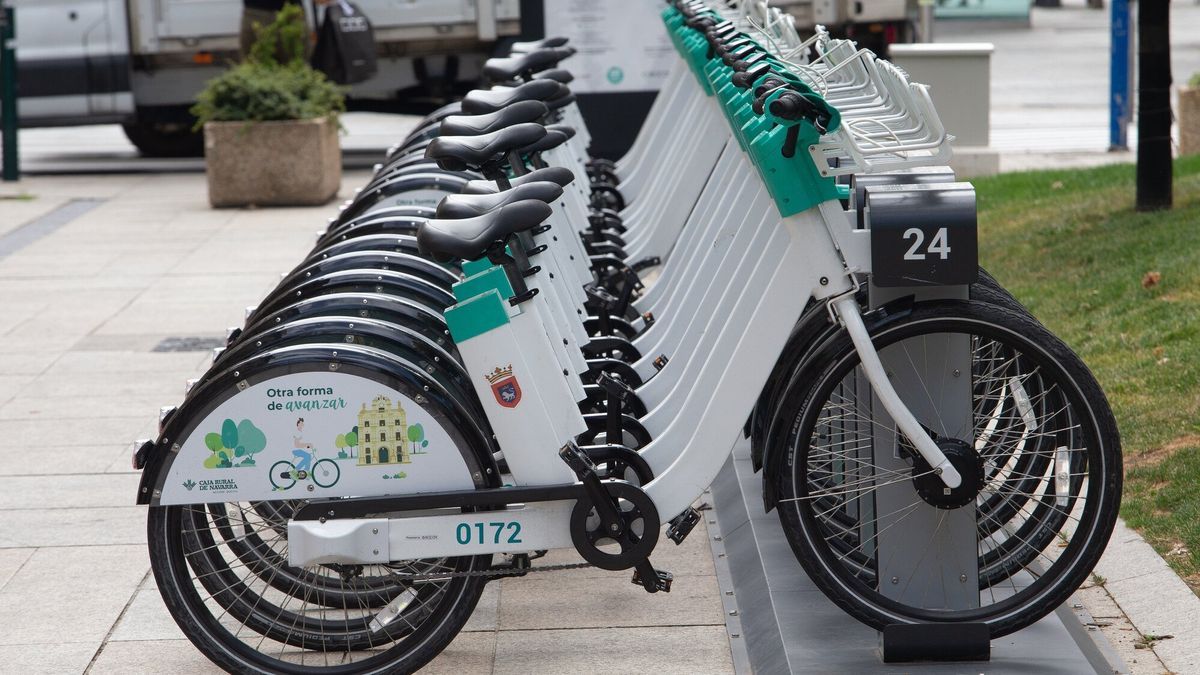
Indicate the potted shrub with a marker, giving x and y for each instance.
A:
(1189, 117)
(270, 125)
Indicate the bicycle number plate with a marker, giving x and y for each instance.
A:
(923, 235)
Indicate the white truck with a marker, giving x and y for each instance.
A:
(874, 24)
(140, 63)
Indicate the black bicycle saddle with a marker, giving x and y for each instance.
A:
(470, 238)
(522, 47)
(556, 135)
(474, 125)
(472, 205)
(456, 153)
(503, 70)
(561, 75)
(481, 101)
(558, 175)
(562, 98)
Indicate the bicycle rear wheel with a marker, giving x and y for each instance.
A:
(234, 615)
(1041, 437)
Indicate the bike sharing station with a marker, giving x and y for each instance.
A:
(501, 347)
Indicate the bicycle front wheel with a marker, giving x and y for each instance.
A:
(1029, 425)
(326, 472)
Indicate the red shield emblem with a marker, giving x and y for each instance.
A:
(507, 392)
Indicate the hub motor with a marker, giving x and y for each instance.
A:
(929, 484)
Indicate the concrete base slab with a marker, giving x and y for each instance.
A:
(975, 162)
(789, 626)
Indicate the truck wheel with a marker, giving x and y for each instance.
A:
(165, 139)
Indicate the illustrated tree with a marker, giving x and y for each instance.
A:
(235, 440)
(220, 457)
(340, 444)
(416, 435)
(251, 441)
(352, 440)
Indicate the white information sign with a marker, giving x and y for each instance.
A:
(314, 435)
(622, 44)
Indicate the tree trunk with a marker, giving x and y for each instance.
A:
(1154, 172)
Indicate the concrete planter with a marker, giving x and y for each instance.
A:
(1189, 120)
(287, 163)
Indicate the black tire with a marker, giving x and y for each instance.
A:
(1082, 420)
(165, 139)
(167, 533)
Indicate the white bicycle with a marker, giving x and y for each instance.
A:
(537, 396)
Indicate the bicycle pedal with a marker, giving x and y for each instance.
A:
(682, 524)
(578, 461)
(654, 581)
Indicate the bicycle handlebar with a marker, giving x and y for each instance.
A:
(792, 106)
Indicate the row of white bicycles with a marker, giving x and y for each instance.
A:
(502, 347)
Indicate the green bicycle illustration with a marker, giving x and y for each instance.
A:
(323, 472)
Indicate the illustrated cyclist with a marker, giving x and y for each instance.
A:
(301, 449)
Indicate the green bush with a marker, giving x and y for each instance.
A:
(1195, 81)
(273, 83)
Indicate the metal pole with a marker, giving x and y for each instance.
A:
(1120, 98)
(1154, 170)
(8, 95)
(926, 20)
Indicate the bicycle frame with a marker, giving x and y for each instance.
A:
(803, 252)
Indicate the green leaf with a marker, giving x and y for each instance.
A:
(212, 441)
(229, 434)
(252, 438)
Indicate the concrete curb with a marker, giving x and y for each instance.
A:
(1154, 598)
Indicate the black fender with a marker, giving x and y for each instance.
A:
(367, 225)
(412, 163)
(362, 281)
(400, 243)
(407, 263)
(807, 330)
(394, 338)
(391, 192)
(391, 308)
(352, 360)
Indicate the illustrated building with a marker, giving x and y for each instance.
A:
(382, 433)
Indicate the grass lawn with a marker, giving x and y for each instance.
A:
(1123, 289)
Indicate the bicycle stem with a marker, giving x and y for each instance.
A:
(847, 310)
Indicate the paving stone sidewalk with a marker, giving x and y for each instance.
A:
(84, 304)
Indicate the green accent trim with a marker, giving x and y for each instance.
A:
(476, 316)
(491, 279)
(794, 183)
(473, 267)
